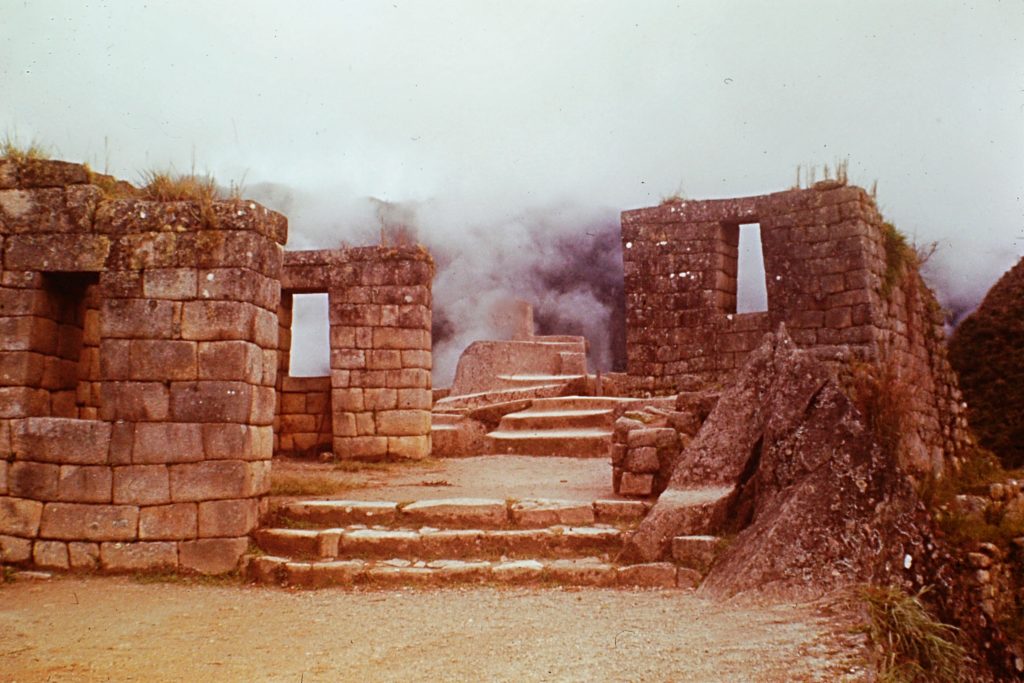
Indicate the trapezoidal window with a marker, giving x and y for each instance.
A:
(311, 337)
(751, 286)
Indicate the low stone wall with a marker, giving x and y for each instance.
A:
(302, 426)
(642, 457)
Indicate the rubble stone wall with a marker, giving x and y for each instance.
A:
(833, 277)
(139, 357)
(379, 302)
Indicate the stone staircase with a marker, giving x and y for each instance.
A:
(569, 426)
(320, 543)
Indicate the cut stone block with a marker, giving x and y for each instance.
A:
(543, 513)
(138, 556)
(223, 518)
(81, 522)
(636, 484)
(611, 511)
(83, 484)
(341, 512)
(517, 571)
(14, 548)
(212, 555)
(650, 575)
(168, 522)
(142, 485)
(583, 572)
(379, 543)
(84, 555)
(50, 555)
(485, 512)
(61, 440)
(20, 517)
(34, 480)
(289, 542)
(696, 552)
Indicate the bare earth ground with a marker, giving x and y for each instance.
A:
(120, 629)
(86, 628)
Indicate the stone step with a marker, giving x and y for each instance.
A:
(430, 544)
(485, 398)
(580, 403)
(399, 573)
(696, 552)
(448, 513)
(518, 381)
(572, 443)
(699, 512)
(558, 420)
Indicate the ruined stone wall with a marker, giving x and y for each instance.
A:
(833, 277)
(380, 315)
(138, 341)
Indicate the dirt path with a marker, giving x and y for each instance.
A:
(117, 629)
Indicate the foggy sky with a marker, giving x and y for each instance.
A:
(513, 125)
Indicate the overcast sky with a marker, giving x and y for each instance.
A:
(485, 110)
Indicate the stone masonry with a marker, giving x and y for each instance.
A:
(380, 314)
(833, 277)
(139, 369)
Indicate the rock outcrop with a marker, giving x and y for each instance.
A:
(816, 501)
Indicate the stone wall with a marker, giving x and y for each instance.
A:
(139, 356)
(835, 276)
(380, 315)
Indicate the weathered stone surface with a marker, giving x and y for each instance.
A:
(141, 485)
(517, 571)
(457, 511)
(543, 513)
(14, 548)
(221, 518)
(134, 401)
(3, 477)
(213, 555)
(216, 479)
(695, 552)
(20, 517)
(632, 484)
(83, 484)
(342, 512)
(647, 575)
(167, 442)
(612, 511)
(817, 518)
(61, 440)
(168, 522)
(84, 555)
(144, 556)
(34, 480)
(50, 555)
(79, 522)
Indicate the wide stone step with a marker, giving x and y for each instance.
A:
(461, 512)
(429, 543)
(558, 420)
(518, 381)
(401, 573)
(481, 399)
(572, 443)
(580, 403)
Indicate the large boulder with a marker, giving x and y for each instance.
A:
(816, 502)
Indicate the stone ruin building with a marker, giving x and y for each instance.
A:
(143, 371)
(144, 384)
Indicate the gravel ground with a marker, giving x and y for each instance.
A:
(119, 629)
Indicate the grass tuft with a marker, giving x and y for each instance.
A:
(898, 255)
(914, 645)
(12, 150)
(165, 186)
(878, 393)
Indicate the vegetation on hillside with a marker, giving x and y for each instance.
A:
(987, 351)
